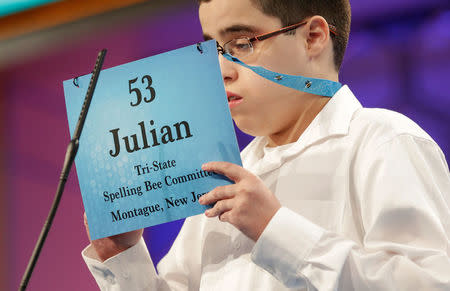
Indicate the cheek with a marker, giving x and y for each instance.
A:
(265, 110)
(283, 57)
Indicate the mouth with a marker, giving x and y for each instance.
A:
(233, 99)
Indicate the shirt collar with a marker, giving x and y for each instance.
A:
(333, 120)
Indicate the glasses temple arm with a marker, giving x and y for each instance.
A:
(332, 28)
(279, 31)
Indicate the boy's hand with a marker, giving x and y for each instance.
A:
(248, 205)
(110, 246)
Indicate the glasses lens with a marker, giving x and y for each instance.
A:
(239, 47)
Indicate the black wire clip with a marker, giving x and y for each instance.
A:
(199, 47)
(75, 82)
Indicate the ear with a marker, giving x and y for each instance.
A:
(318, 36)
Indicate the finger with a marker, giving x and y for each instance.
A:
(86, 226)
(225, 216)
(218, 193)
(85, 219)
(230, 170)
(220, 207)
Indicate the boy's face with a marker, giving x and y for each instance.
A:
(266, 108)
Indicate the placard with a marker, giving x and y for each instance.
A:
(152, 123)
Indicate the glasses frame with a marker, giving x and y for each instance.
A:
(264, 36)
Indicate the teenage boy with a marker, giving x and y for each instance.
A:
(332, 196)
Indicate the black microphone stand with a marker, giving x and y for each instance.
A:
(71, 152)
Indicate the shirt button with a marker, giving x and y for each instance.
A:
(126, 274)
(111, 280)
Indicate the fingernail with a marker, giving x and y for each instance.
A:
(201, 200)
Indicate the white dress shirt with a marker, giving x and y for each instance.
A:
(365, 196)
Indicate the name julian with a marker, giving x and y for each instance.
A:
(166, 135)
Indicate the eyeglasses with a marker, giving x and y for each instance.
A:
(243, 46)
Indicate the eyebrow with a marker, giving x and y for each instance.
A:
(234, 29)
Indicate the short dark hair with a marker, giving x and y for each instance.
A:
(335, 12)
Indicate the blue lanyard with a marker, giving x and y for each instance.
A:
(320, 87)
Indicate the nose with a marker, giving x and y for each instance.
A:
(228, 69)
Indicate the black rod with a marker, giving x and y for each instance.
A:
(71, 152)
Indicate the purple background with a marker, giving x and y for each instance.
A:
(398, 58)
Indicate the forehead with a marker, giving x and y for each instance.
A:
(220, 18)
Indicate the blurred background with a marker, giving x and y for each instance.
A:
(398, 58)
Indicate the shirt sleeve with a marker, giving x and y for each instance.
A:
(133, 268)
(402, 190)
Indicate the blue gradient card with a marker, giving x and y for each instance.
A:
(151, 125)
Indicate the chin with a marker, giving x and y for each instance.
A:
(251, 127)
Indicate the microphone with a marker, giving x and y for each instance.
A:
(71, 152)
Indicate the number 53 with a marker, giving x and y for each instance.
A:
(145, 79)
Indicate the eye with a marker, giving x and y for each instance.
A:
(239, 47)
(241, 44)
